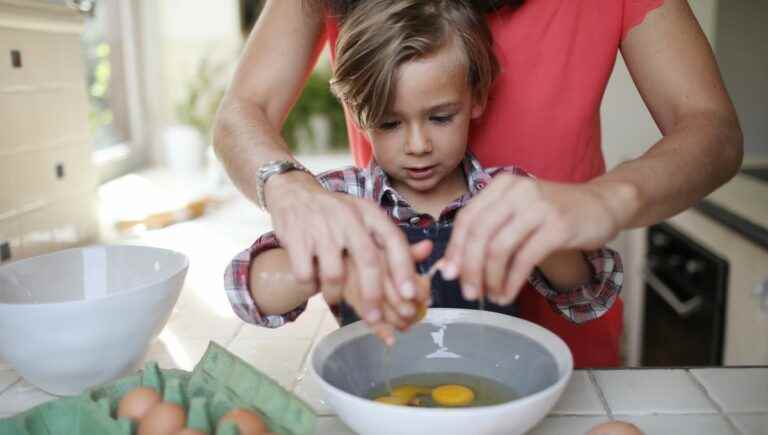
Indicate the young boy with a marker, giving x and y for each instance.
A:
(414, 74)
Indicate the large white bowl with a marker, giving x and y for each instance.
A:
(528, 358)
(80, 317)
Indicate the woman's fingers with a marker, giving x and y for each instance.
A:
(476, 255)
(385, 332)
(300, 251)
(399, 261)
(364, 254)
(536, 248)
(330, 261)
(502, 248)
(468, 218)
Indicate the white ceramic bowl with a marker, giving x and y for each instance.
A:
(80, 317)
(532, 361)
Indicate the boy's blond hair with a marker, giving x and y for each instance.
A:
(378, 36)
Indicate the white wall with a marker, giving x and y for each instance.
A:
(742, 51)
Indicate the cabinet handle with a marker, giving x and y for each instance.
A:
(683, 309)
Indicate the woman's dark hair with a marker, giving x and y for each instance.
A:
(342, 7)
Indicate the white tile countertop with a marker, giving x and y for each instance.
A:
(710, 401)
(707, 401)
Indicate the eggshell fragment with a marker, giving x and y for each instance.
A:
(248, 423)
(615, 428)
(138, 402)
(166, 418)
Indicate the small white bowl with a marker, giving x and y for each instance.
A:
(519, 354)
(81, 317)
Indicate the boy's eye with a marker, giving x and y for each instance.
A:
(389, 125)
(443, 119)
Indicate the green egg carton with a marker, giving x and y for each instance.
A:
(219, 383)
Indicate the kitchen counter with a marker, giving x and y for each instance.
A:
(701, 401)
(741, 205)
(660, 401)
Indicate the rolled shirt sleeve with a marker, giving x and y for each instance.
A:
(591, 300)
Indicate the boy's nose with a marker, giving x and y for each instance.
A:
(418, 143)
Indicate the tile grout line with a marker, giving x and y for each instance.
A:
(712, 400)
(600, 394)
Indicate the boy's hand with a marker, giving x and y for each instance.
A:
(516, 223)
(318, 227)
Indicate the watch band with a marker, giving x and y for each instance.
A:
(269, 169)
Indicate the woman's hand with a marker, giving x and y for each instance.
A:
(396, 313)
(517, 222)
(320, 228)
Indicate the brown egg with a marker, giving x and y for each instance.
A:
(190, 431)
(137, 403)
(166, 418)
(615, 428)
(247, 422)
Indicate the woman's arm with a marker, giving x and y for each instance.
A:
(675, 71)
(279, 55)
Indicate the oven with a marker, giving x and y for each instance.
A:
(685, 301)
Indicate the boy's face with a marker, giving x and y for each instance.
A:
(423, 136)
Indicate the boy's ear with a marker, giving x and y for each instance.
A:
(478, 107)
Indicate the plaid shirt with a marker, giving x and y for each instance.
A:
(578, 304)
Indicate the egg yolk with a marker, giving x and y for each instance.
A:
(453, 395)
(408, 392)
(393, 400)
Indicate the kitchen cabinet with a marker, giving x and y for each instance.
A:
(47, 178)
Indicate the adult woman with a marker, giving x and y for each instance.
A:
(543, 115)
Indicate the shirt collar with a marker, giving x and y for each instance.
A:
(379, 183)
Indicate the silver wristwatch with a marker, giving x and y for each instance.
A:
(272, 168)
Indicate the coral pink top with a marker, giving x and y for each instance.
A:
(543, 116)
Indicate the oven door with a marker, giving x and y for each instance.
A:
(685, 289)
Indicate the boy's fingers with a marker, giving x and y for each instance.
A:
(420, 251)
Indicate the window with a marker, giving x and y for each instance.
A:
(111, 70)
(103, 79)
